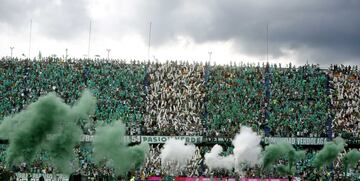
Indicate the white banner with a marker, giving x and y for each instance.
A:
(36, 176)
(163, 139)
(90, 138)
(200, 139)
(296, 140)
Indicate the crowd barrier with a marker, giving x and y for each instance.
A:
(60, 177)
(217, 179)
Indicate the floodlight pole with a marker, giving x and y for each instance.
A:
(66, 54)
(267, 42)
(210, 56)
(89, 40)
(149, 41)
(108, 53)
(11, 52)
(30, 39)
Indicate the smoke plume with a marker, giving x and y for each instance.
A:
(247, 147)
(214, 161)
(110, 144)
(247, 151)
(329, 152)
(285, 151)
(351, 159)
(48, 124)
(176, 154)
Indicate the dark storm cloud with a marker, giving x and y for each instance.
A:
(327, 31)
(321, 31)
(58, 19)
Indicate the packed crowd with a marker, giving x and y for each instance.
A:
(193, 99)
(189, 99)
(345, 100)
(86, 165)
(235, 97)
(298, 103)
(118, 87)
(11, 86)
(195, 167)
(175, 99)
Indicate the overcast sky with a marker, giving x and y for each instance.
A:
(317, 31)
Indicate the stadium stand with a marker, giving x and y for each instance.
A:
(298, 101)
(179, 98)
(175, 99)
(12, 90)
(235, 97)
(345, 100)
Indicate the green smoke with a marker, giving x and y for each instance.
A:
(48, 124)
(329, 152)
(275, 152)
(110, 144)
(63, 142)
(351, 159)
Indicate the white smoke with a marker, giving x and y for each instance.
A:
(176, 154)
(214, 161)
(247, 151)
(247, 148)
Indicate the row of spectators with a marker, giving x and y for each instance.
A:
(11, 86)
(119, 93)
(195, 167)
(174, 102)
(345, 100)
(178, 98)
(298, 102)
(235, 97)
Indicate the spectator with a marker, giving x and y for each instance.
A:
(298, 102)
(178, 98)
(345, 100)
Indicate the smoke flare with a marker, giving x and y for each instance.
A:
(350, 159)
(247, 148)
(176, 154)
(275, 152)
(247, 151)
(329, 152)
(110, 144)
(48, 124)
(214, 161)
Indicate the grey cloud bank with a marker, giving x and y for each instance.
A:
(322, 31)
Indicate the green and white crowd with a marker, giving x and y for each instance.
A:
(181, 98)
